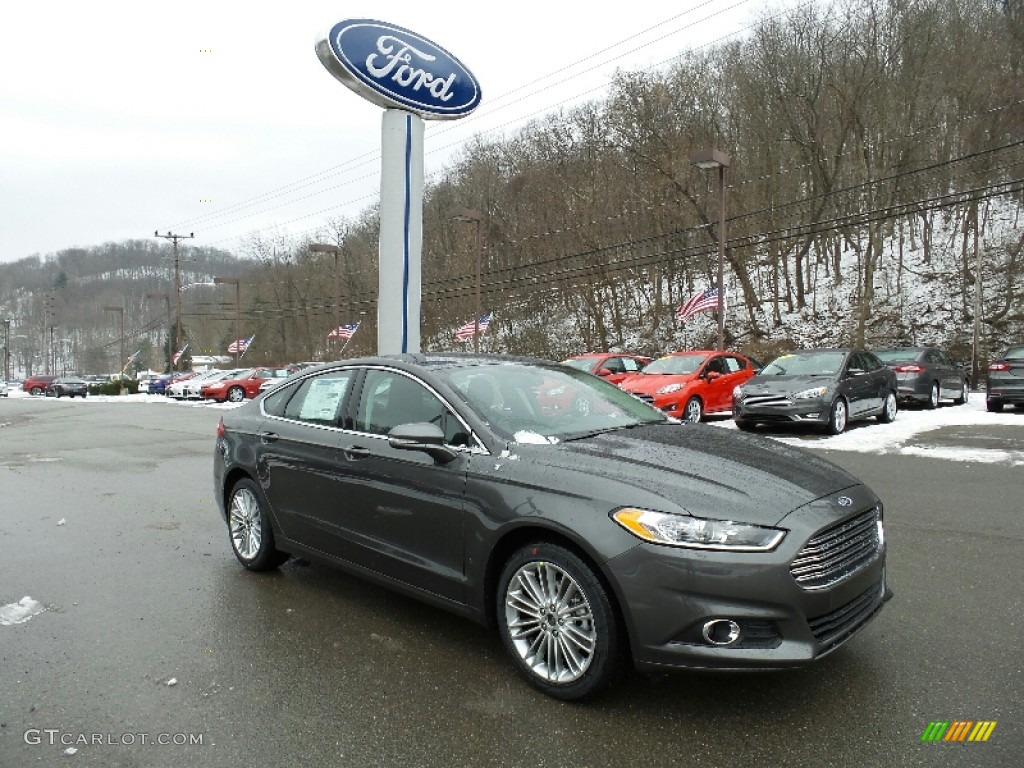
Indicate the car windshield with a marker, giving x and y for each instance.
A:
(548, 404)
(807, 363)
(581, 363)
(675, 364)
(897, 355)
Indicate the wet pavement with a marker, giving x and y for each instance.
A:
(311, 666)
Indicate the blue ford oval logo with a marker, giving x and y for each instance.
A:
(844, 501)
(396, 68)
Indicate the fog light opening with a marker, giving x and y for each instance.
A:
(721, 632)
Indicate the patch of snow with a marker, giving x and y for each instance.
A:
(20, 612)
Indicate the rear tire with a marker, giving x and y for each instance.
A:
(933, 397)
(965, 393)
(888, 413)
(557, 622)
(249, 529)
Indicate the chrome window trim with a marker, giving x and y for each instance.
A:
(478, 448)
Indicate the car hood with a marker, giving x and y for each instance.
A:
(704, 470)
(651, 382)
(784, 385)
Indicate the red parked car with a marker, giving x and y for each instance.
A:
(245, 384)
(612, 366)
(690, 384)
(36, 385)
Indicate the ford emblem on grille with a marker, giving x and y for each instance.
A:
(844, 501)
(396, 68)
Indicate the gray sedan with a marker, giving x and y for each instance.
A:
(590, 537)
(926, 376)
(822, 387)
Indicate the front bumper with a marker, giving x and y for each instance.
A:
(782, 410)
(669, 595)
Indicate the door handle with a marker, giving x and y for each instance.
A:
(268, 437)
(357, 452)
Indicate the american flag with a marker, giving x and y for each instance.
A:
(344, 331)
(177, 355)
(240, 345)
(467, 331)
(699, 302)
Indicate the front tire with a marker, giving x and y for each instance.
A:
(252, 538)
(993, 406)
(888, 413)
(694, 410)
(236, 394)
(35, 391)
(745, 425)
(557, 622)
(837, 417)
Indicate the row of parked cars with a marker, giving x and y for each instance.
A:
(824, 387)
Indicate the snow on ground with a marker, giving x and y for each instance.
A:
(20, 612)
(870, 436)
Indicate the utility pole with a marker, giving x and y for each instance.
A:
(177, 282)
(49, 317)
(7, 351)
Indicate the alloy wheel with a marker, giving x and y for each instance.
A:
(550, 622)
(245, 524)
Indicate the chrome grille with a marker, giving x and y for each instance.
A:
(837, 552)
(769, 400)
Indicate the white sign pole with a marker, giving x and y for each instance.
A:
(401, 233)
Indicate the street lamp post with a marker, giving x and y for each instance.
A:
(120, 311)
(336, 250)
(238, 312)
(706, 159)
(170, 328)
(477, 218)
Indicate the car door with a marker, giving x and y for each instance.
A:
(881, 377)
(859, 385)
(950, 377)
(716, 384)
(410, 507)
(304, 467)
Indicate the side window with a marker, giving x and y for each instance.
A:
(319, 399)
(274, 404)
(733, 364)
(390, 398)
(871, 363)
(614, 364)
(717, 365)
(630, 365)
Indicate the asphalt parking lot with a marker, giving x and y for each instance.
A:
(149, 629)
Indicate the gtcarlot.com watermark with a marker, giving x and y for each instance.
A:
(57, 737)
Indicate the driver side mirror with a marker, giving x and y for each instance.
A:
(604, 372)
(712, 375)
(424, 437)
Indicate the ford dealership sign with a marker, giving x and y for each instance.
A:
(395, 68)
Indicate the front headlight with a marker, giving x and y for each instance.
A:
(668, 388)
(807, 394)
(737, 392)
(697, 532)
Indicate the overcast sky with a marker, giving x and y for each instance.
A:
(120, 117)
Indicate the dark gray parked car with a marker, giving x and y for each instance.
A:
(588, 535)
(823, 387)
(925, 375)
(1005, 383)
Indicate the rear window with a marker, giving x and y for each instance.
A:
(1014, 353)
